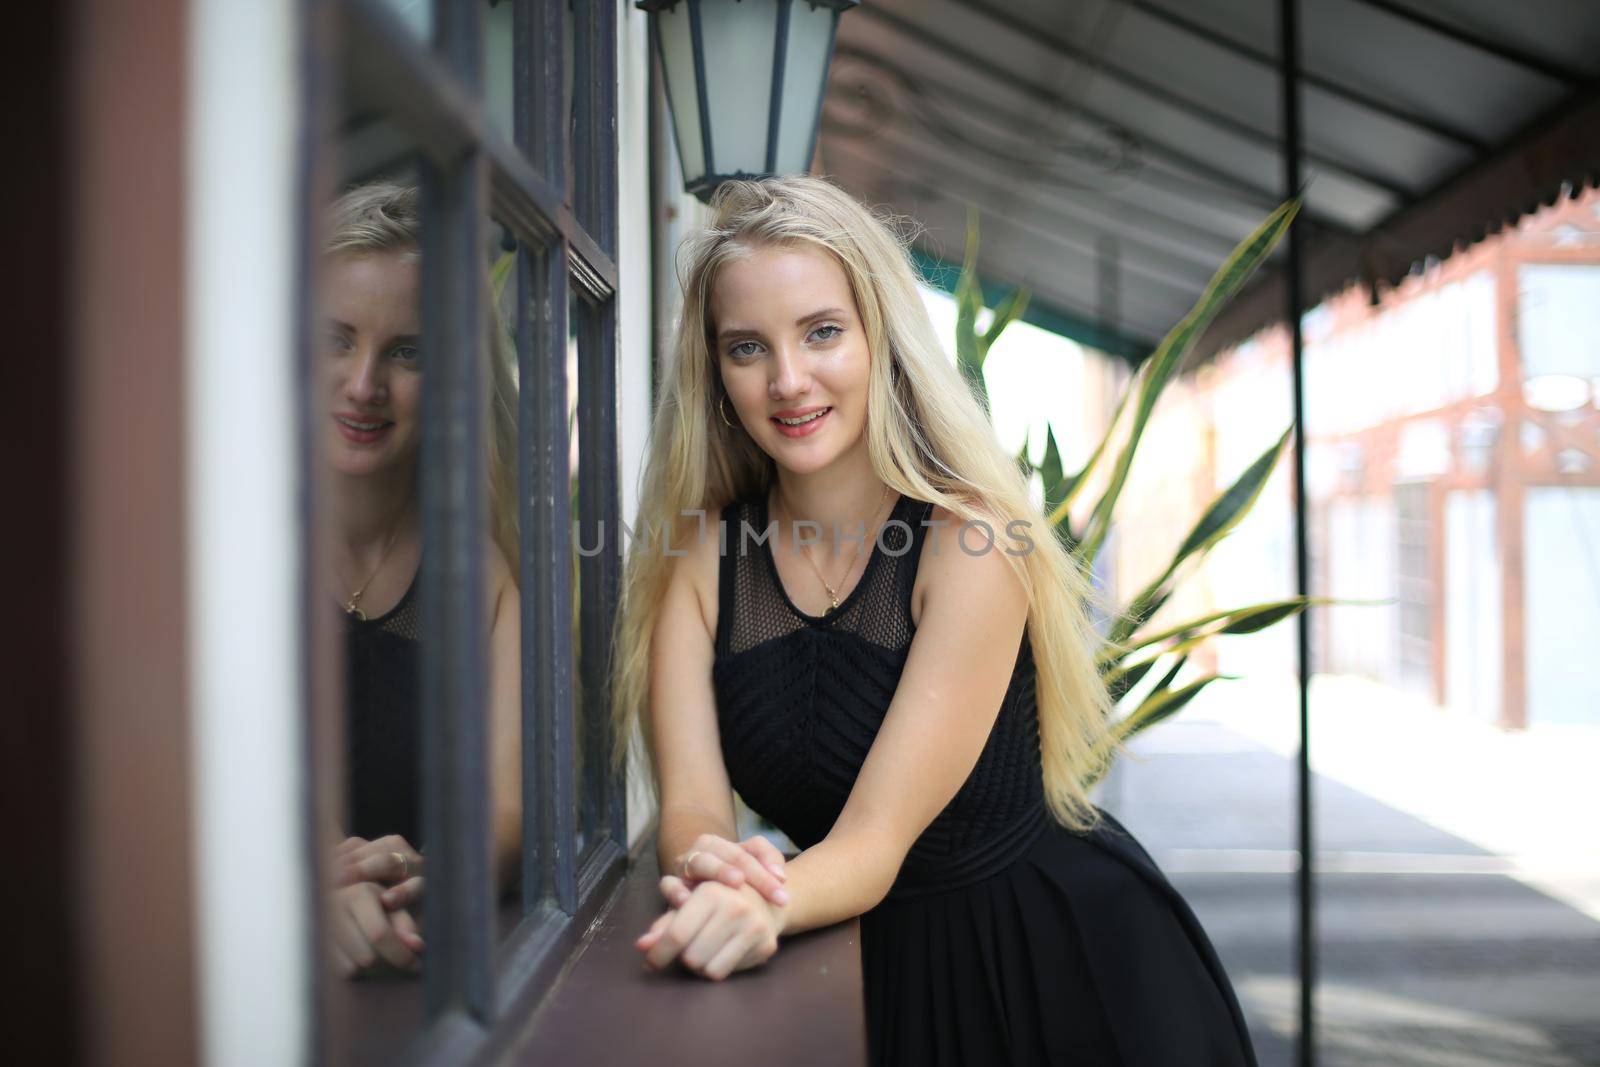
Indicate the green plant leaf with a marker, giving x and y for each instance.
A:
(1223, 516)
(1050, 469)
(1229, 509)
(1074, 482)
(500, 272)
(1165, 360)
(1162, 705)
(1010, 310)
(1024, 464)
(1139, 668)
(1119, 682)
(1235, 621)
(1144, 606)
(969, 302)
(1167, 679)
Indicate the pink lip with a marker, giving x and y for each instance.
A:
(360, 437)
(805, 430)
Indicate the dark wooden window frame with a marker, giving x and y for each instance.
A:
(479, 993)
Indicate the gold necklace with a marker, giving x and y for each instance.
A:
(351, 606)
(833, 595)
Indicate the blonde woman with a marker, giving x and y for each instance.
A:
(908, 689)
(375, 370)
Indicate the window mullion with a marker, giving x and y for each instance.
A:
(454, 661)
(546, 142)
(550, 870)
(459, 911)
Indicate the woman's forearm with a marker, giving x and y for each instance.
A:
(840, 877)
(680, 825)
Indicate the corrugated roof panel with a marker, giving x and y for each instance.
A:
(1154, 123)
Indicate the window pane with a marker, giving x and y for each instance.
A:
(1559, 319)
(369, 368)
(417, 15)
(584, 534)
(502, 266)
(499, 67)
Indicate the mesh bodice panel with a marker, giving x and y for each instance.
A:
(800, 699)
(382, 758)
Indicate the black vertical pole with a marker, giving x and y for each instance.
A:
(1293, 147)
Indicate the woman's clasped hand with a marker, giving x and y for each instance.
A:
(379, 884)
(726, 906)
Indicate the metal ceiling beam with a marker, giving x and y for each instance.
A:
(1258, 196)
(1438, 127)
(976, 190)
(1178, 101)
(1166, 224)
(1052, 311)
(1547, 66)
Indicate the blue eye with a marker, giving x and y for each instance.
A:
(736, 349)
(837, 330)
(407, 353)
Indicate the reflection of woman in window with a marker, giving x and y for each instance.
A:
(373, 431)
(918, 708)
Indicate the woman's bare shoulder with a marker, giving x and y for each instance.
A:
(959, 554)
(696, 565)
(498, 576)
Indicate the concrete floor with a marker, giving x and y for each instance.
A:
(1434, 949)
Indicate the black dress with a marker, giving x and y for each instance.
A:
(383, 765)
(1006, 938)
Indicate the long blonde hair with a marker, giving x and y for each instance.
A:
(381, 216)
(928, 437)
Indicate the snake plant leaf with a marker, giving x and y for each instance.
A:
(1245, 620)
(1119, 685)
(1144, 606)
(969, 302)
(1167, 679)
(1024, 464)
(1229, 509)
(1050, 469)
(1163, 705)
(1009, 311)
(500, 272)
(1165, 360)
(1224, 514)
(1074, 482)
(1139, 668)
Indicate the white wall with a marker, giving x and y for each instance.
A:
(635, 308)
(245, 560)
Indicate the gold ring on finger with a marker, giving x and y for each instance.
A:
(688, 859)
(405, 865)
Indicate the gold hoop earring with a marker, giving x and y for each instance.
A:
(723, 411)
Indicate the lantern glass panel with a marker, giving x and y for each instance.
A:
(677, 62)
(737, 38)
(805, 68)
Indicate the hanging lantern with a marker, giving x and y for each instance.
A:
(745, 80)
